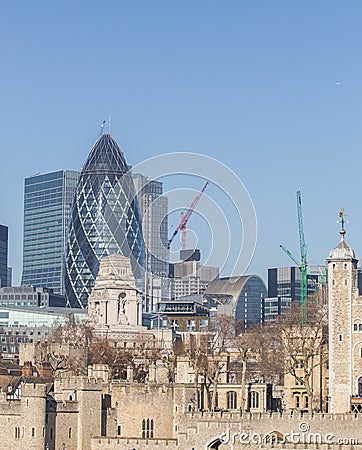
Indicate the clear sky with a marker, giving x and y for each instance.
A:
(270, 88)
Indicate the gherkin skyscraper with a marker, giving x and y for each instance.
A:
(105, 219)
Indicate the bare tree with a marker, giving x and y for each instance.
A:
(302, 333)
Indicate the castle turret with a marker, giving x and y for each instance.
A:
(342, 295)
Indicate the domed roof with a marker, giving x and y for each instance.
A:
(105, 157)
(342, 250)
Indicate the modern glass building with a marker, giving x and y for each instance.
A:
(241, 297)
(154, 210)
(47, 202)
(3, 255)
(105, 219)
(285, 282)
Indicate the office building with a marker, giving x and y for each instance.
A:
(47, 202)
(14, 297)
(10, 276)
(154, 209)
(239, 297)
(273, 307)
(189, 276)
(285, 282)
(105, 220)
(3, 255)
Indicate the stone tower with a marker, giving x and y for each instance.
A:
(115, 304)
(345, 311)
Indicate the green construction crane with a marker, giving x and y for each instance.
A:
(302, 264)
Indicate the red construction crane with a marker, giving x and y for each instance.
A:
(184, 217)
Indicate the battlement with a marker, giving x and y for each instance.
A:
(78, 383)
(108, 443)
(67, 407)
(33, 390)
(11, 408)
(235, 416)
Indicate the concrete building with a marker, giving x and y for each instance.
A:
(47, 201)
(189, 276)
(154, 212)
(30, 296)
(3, 255)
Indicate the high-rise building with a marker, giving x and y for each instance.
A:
(154, 209)
(285, 282)
(189, 276)
(10, 276)
(105, 219)
(47, 202)
(3, 255)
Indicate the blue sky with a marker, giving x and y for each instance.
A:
(270, 88)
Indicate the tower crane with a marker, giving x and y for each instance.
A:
(302, 264)
(184, 217)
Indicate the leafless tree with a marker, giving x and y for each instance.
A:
(300, 342)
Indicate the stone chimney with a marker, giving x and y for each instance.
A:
(27, 369)
(46, 370)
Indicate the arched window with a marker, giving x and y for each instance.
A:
(360, 386)
(231, 400)
(254, 399)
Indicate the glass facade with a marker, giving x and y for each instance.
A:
(285, 282)
(154, 209)
(249, 307)
(47, 202)
(3, 255)
(105, 219)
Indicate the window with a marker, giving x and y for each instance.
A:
(118, 430)
(70, 433)
(32, 432)
(306, 402)
(17, 432)
(355, 327)
(297, 401)
(231, 400)
(147, 428)
(340, 337)
(254, 399)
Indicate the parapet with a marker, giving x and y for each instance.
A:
(77, 383)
